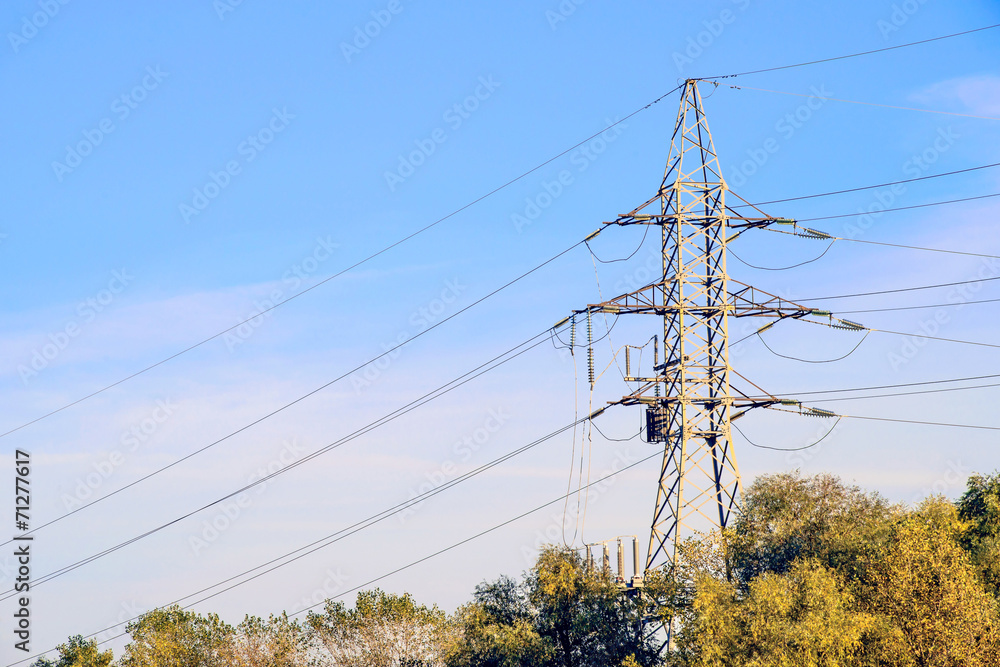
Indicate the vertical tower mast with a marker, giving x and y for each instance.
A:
(689, 400)
(699, 478)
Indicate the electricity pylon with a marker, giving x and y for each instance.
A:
(689, 400)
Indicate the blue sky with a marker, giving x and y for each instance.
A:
(305, 146)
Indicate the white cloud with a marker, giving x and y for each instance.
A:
(978, 95)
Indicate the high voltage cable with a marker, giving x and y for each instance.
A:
(896, 333)
(441, 389)
(888, 386)
(457, 211)
(344, 375)
(472, 203)
(946, 340)
(817, 234)
(389, 513)
(901, 289)
(870, 104)
(343, 271)
(826, 236)
(357, 433)
(898, 421)
(379, 578)
(897, 208)
(905, 393)
(933, 305)
(786, 449)
(868, 187)
(923, 423)
(852, 55)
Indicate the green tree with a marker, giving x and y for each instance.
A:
(581, 611)
(172, 637)
(786, 517)
(77, 652)
(801, 617)
(496, 630)
(924, 590)
(382, 630)
(564, 614)
(980, 507)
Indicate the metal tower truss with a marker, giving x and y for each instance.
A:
(689, 400)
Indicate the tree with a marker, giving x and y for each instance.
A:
(801, 617)
(980, 506)
(580, 610)
(172, 637)
(496, 630)
(924, 588)
(77, 652)
(786, 517)
(382, 630)
(564, 614)
(276, 642)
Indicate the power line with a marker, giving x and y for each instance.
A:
(412, 564)
(904, 393)
(938, 338)
(887, 386)
(869, 187)
(870, 104)
(895, 291)
(398, 412)
(786, 449)
(341, 272)
(898, 208)
(339, 378)
(925, 423)
(813, 361)
(476, 201)
(780, 268)
(357, 433)
(899, 421)
(823, 235)
(914, 335)
(933, 305)
(853, 55)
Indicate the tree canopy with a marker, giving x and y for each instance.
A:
(812, 572)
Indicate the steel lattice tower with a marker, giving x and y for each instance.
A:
(689, 400)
